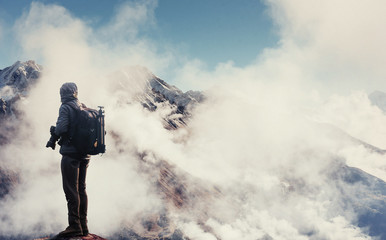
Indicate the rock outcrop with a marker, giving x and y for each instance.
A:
(88, 237)
(8, 180)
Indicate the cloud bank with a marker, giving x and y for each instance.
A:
(257, 137)
(334, 47)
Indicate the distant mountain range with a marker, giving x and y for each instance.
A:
(184, 194)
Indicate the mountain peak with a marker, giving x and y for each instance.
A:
(139, 84)
(137, 79)
(18, 77)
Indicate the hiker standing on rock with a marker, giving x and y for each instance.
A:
(74, 163)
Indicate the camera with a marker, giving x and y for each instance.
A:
(53, 139)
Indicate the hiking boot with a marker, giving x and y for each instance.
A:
(84, 230)
(69, 232)
(83, 224)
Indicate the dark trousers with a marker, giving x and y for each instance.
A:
(74, 170)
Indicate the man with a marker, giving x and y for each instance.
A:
(74, 165)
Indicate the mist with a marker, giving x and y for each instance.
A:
(263, 127)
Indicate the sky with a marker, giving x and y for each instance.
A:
(213, 31)
(333, 48)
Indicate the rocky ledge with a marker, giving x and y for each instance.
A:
(88, 237)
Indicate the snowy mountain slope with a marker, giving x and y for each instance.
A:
(17, 78)
(369, 200)
(138, 84)
(14, 84)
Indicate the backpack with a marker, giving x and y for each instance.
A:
(88, 131)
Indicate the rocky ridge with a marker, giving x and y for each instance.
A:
(138, 84)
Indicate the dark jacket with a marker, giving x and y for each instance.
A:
(64, 125)
(66, 119)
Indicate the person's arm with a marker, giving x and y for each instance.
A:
(63, 122)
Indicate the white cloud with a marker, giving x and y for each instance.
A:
(195, 232)
(256, 126)
(129, 18)
(339, 43)
(330, 46)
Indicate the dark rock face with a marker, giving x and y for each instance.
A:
(3, 106)
(173, 94)
(181, 193)
(8, 180)
(3, 113)
(7, 108)
(9, 118)
(162, 92)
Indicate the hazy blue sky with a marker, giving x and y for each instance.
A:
(212, 31)
(331, 45)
